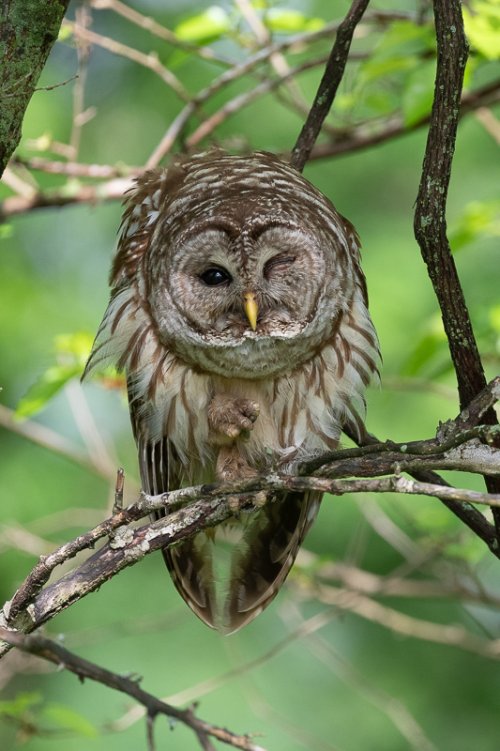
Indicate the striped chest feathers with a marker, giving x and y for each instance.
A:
(300, 414)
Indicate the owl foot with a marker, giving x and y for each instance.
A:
(231, 417)
(232, 467)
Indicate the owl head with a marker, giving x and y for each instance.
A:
(241, 265)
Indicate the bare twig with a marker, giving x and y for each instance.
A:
(73, 193)
(362, 137)
(237, 71)
(76, 169)
(150, 60)
(401, 623)
(243, 100)
(62, 657)
(210, 505)
(145, 22)
(48, 438)
(80, 116)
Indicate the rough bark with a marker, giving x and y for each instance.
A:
(28, 30)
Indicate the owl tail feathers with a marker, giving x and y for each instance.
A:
(190, 567)
(272, 543)
(258, 564)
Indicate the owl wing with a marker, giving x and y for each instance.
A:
(270, 545)
(189, 562)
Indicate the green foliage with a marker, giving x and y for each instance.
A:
(71, 352)
(429, 354)
(479, 219)
(6, 231)
(31, 714)
(215, 22)
(287, 21)
(398, 74)
(18, 706)
(482, 26)
(64, 718)
(418, 93)
(205, 27)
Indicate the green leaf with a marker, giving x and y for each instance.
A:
(6, 231)
(291, 21)
(17, 707)
(398, 50)
(417, 97)
(482, 26)
(479, 219)
(72, 351)
(405, 38)
(205, 27)
(45, 388)
(65, 718)
(65, 33)
(494, 318)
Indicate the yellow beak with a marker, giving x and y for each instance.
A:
(251, 309)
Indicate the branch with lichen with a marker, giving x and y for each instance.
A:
(458, 445)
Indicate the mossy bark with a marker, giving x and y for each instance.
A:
(28, 30)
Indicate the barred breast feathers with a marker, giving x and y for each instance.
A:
(301, 413)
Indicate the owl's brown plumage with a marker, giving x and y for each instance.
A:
(239, 313)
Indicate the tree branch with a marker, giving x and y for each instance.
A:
(49, 650)
(29, 30)
(328, 86)
(190, 510)
(430, 212)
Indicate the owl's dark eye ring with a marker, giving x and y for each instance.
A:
(215, 276)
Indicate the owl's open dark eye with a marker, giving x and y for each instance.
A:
(215, 276)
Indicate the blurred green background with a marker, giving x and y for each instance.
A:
(353, 683)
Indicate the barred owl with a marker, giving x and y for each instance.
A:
(238, 312)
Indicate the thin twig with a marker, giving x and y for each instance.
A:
(329, 84)
(84, 669)
(361, 137)
(32, 605)
(247, 66)
(400, 623)
(51, 440)
(149, 24)
(150, 61)
(113, 190)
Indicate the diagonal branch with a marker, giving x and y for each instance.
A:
(62, 657)
(190, 510)
(328, 86)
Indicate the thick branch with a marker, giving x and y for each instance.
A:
(29, 30)
(430, 213)
(209, 505)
